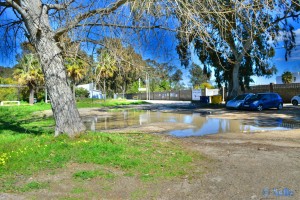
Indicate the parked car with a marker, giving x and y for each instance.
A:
(262, 101)
(296, 100)
(238, 101)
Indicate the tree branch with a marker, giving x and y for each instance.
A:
(59, 6)
(15, 5)
(127, 26)
(83, 16)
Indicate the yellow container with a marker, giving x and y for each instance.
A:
(216, 99)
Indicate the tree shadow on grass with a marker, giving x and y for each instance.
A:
(18, 128)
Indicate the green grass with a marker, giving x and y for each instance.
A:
(33, 186)
(89, 103)
(85, 174)
(27, 147)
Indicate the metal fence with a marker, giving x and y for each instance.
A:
(181, 95)
(286, 91)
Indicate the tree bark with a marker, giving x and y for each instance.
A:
(235, 80)
(31, 95)
(63, 104)
(104, 90)
(235, 72)
(74, 90)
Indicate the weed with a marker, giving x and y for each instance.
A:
(84, 175)
(33, 186)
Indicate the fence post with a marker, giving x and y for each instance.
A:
(271, 87)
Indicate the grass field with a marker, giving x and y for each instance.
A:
(27, 146)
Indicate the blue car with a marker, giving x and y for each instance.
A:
(238, 101)
(262, 101)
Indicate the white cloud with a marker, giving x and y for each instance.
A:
(297, 34)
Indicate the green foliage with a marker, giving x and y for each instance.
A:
(236, 48)
(27, 148)
(76, 69)
(81, 93)
(133, 87)
(160, 86)
(206, 85)
(175, 80)
(8, 94)
(287, 77)
(197, 76)
(6, 72)
(29, 72)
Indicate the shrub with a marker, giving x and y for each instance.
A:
(81, 93)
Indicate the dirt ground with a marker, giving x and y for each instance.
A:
(264, 165)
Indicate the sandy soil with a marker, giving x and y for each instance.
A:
(263, 165)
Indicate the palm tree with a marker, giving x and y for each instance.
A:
(29, 72)
(76, 70)
(287, 77)
(105, 69)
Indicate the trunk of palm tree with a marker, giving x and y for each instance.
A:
(104, 88)
(42, 37)
(31, 95)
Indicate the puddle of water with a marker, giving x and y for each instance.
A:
(202, 125)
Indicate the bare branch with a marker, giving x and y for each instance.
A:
(15, 5)
(59, 6)
(88, 14)
(127, 26)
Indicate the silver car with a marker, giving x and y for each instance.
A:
(296, 100)
(238, 101)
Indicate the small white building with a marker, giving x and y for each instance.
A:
(296, 78)
(96, 94)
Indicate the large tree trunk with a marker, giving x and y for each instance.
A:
(235, 72)
(235, 81)
(42, 37)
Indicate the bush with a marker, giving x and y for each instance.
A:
(81, 93)
(9, 93)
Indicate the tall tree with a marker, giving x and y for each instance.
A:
(176, 78)
(44, 22)
(129, 63)
(77, 69)
(197, 76)
(235, 36)
(106, 68)
(29, 72)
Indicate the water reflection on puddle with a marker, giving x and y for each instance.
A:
(202, 125)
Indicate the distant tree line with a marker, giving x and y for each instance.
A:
(117, 68)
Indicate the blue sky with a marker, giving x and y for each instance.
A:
(292, 64)
(163, 49)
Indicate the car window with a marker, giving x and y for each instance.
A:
(267, 97)
(241, 97)
(260, 96)
(254, 97)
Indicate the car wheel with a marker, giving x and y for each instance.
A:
(295, 102)
(259, 107)
(280, 106)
